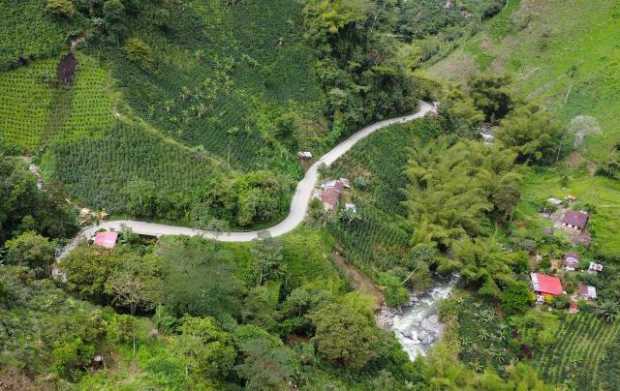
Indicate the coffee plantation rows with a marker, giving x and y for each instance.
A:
(376, 235)
(370, 239)
(230, 72)
(574, 359)
(91, 102)
(35, 110)
(24, 103)
(27, 32)
(100, 171)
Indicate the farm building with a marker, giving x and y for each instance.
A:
(351, 207)
(106, 239)
(331, 191)
(587, 292)
(584, 239)
(595, 267)
(571, 261)
(575, 220)
(546, 285)
(304, 155)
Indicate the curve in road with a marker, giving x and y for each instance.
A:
(299, 204)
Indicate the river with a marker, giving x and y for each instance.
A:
(416, 324)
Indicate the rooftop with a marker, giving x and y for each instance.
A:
(575, 219)
(545, 284)
(106, 239)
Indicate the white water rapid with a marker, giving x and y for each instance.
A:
(417, 324)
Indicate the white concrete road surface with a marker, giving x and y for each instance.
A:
(299, 204)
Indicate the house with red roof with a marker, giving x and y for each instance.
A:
(546, 285)
(106, 239)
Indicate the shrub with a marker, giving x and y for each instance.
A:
(139, 52)
(516, 298)
(31, 250)
(62, 8)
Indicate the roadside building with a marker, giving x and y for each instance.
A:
(587, 292)
(584, 239)
(572, 308)
(106, 239)
(595, 267)
(331, 191)
(304, 155)
(351, 207)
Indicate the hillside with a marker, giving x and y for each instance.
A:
(572, 77)
(149, 155)
(562, 54)
(234, 85)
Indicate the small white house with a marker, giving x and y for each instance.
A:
(351, 207)
(595, 267)
(587, 292)
(304, 155)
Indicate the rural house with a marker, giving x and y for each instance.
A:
(331, 191)
(571, 261)
(546, 285)
(587, 292)
(595, 267)
(304, 155)
(106, 239)
(575, 220)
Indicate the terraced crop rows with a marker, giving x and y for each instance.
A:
(34, 111)
(98, 171)
(25, 98)
(579, 348)
(369, 239)
(27, 31)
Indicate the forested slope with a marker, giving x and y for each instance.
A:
(243, 85)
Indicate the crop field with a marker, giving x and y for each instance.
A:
(231, 70)
(91, 102)
(576, 76)
(27, 32)
(99, 170)
(25, 99)
(574, 359)
(376, 238)
(33, 110)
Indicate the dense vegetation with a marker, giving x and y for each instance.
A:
(193, 112)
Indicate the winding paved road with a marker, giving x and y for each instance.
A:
(299, 204)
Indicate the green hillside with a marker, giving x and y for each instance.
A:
(562, 54)
(191, 113)
(244, 84)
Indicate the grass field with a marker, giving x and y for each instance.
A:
(574, 359)
(600, 192)
(561, 53)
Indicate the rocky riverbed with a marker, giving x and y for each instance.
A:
(417, 324)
